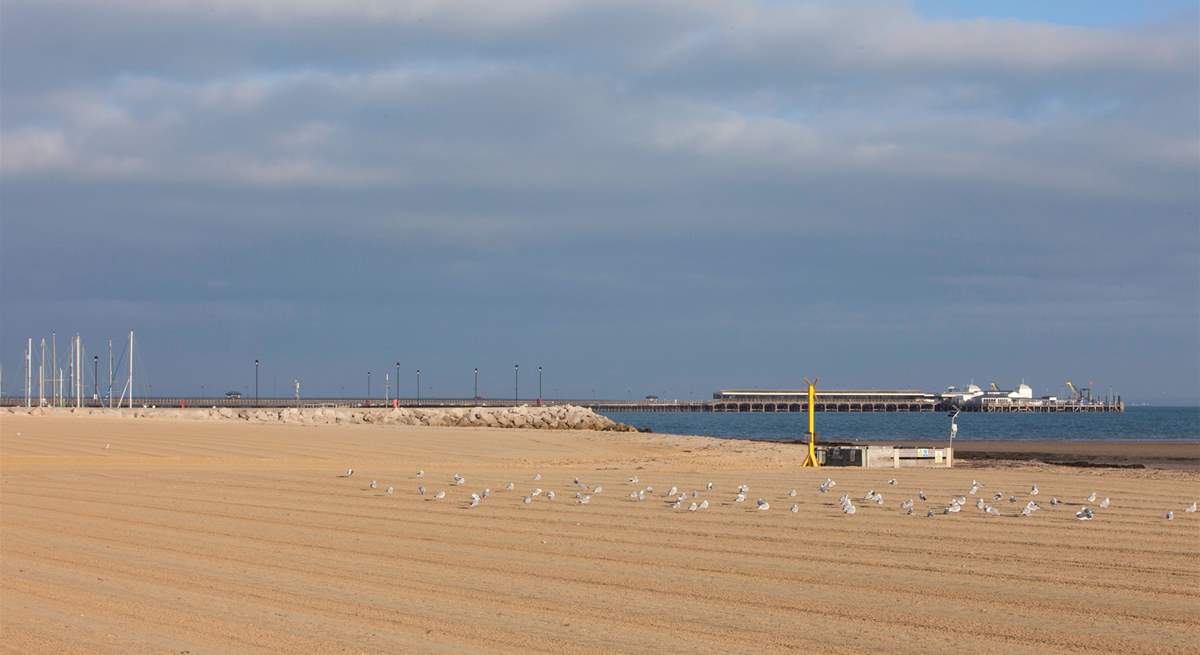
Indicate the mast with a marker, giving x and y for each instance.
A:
(110, 373)
(29, 371)
(53, 368)
(42, 376)
(131, 369)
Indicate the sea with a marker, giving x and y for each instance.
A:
(1136, 423)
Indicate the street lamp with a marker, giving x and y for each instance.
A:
(539, 385)
(368, 386)
(516, 382)
(418, 386)
(477, 383)
(397, 384)
(95, 377)
(256, 382)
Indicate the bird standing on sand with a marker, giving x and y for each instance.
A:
(792, 493)
(634, 480)
(693, 507)
(391, 491)
(673, 492)
(458, 479)
(1084, 514)
(421, 489)
(508, 487)
(794, 508)
(549, 495)
(475, 498)
(1091, 497)
(1170, 516)
(907, 506)
(527, 499)
(537, 476)
(709, 486)
(892, 482)
(1105, 503)
(420, 474)
(584, 500)
(374, 484)
(704, 504)
(487, 493)
(1053, 501)
(1033, 491)
(974, 487)
(921, 495)
(439, 495)
(740, 498)
(349, 472)
(598, 489)
(763, 506)
(1191, 509)
(992, 510)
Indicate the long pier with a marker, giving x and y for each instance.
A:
(835, 404)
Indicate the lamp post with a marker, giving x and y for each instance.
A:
(368, 386)
(516, 382)
(95, 377)
(477, 383)
(539, 386)
(256, 383)
(397, 384)
(418, 386)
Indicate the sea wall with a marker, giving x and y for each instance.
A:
(558, 417)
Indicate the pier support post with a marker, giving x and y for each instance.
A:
(810, 460)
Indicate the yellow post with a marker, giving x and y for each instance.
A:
(810, 461)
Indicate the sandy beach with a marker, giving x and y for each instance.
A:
(171, 536)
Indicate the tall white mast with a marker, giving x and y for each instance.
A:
(131, 369)
(110, 373)
(42, 376)
(53, 368)
(28, 371)
(78, 370)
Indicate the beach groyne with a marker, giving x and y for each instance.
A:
(558, 417)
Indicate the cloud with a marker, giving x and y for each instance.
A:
(635, 150)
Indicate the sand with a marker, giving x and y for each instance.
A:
(197, 537)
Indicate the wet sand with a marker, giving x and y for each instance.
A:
(198, 537)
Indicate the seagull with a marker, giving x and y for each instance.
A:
(474, 500)
(536, 492)
(458, 479)
(921, 495)
(693, 507)
(827, 485)
(1030, 508)
(420, 474)
(390, 491)
(929, 514)
(704, 504)
(633, 495)
(1191, 509)
(979, 503)
(598, 489)
(549, 495)
(792, 493)
(998, 497)
(1170, 516)
(892, 482)
(585, 500)
(677, 504)
(974, 488)
(634, 480)
(1092, 497)
(764, 506)
(649, 489)
(439, 495)
(487, 493)
(741, 498)
(1033, 491)
(508, 487)
(1012, 499)
(695, 493)
(907, 506)
(794, 508)
(537, 476)
(993, 511)
(527, 500)
(1084, 514)
(421, 490)
(1053, 501)
(641, 495)
(1105, 503)
(709, 486)
(743, 488)
(373, 485)
(673, 492)
(849, 508)
(349, 472)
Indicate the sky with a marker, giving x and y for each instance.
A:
(653, 197)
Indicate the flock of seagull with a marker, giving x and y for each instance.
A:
(678, 498)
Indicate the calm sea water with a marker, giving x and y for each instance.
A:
(1148, 423)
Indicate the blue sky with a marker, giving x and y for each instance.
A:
(643, 197)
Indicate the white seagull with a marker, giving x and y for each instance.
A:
(1105, 503)
(1191, 509)
(439, 495)
(794, 508)
(1091, 497)
(390, 491)
(1033, 491)
(349, 472)
(373, 485)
